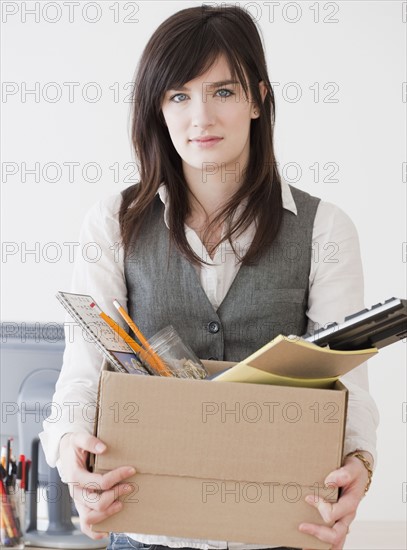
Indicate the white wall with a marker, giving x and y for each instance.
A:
(363, 133)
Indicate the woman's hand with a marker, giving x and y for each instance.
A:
(352, 477)
(94, 494)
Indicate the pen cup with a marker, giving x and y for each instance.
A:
(11, 532)
(178, 357)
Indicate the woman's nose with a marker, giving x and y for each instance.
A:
(203, 113)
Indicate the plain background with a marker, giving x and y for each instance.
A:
(339, 101)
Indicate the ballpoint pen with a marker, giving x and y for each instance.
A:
(21, 477)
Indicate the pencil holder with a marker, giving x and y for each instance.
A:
(12, 520)
(178, 357)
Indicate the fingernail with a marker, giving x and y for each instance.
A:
(131, 471)
(127, 488)
(100, 447)
(310, 499)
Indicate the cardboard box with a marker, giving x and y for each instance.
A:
(220, 461)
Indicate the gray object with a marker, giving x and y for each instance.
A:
(263, 301)
(26, 351)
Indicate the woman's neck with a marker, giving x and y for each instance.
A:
(206, 201)
(209, 194)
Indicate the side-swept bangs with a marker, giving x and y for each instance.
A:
(181, 49)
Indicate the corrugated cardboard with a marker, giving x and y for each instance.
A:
(220, 461)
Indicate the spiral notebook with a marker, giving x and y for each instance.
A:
(111, 344)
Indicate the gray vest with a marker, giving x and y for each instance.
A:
(265, 300)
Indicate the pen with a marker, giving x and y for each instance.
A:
(10, 521)
(121, 332)
(158, 363)
(22, 463)
(21, 490)
(13, 494)
(27, 471)
(8, 456)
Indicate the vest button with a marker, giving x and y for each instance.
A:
(213, 359)
(213, 327)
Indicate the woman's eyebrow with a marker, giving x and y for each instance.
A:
(209, 84)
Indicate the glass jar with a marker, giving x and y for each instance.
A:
(12, 518)
(177, 356)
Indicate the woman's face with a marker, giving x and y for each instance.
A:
(206, 107)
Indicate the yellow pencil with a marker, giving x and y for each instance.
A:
(126, 337)
(160, 365)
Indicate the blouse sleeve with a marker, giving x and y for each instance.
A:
(98, 271)
(336, 290)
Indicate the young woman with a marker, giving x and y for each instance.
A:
(213, 242)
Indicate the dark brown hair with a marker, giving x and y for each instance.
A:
(182, 48)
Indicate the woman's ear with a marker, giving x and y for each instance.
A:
(263, 93)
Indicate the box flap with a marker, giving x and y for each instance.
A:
(168, 428)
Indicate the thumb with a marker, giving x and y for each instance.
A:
(338, 478)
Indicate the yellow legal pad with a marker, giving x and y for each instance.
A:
(294, 362)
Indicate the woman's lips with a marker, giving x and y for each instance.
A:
(206, 142)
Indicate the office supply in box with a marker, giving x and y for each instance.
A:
(125, 354)
(378, 326)
(291, 361)
(176, 355)
(109, 342)
(224, 461)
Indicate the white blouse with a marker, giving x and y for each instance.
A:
(335, 290)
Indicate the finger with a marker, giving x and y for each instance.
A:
(331, 512)
(102, 501)
(100, 482)
(88, 518)
(335, 535)
(339, 530)
(88, 442)
(74, 448)
(92, 517)
(88, 481)
(324, 508)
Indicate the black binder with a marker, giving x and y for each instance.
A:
(378, 326)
